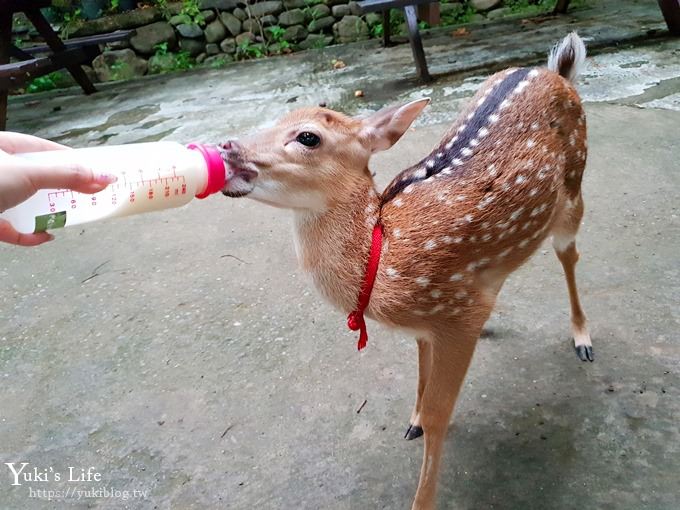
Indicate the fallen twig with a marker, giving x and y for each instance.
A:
(94, 271)
(235, 257)
(362, 406)
(226, 430)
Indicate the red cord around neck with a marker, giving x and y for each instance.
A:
(355, 320)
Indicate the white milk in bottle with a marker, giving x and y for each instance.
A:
(151, 177)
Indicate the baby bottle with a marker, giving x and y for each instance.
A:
(151, 177)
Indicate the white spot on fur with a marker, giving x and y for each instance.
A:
(423, 281)
(458, 240)
(534, 126)
(520, 86)
(461, 294)
(504, 253)
(493, 118)
(456, 277)
(436, 294)
(456, 162)
(408, 189)
(531, 143)
(523, 243)
(482, 132)
(516, 214)
(447, 240)
(430, 245)
(420, 173)
(486, 237)
(419, 312)
(533, 73)
(460, 198)
(429, 164)
(455, 311)
(397, 233)
(461, 128)
(398, 202)
(446, 171)
(520, 179)
(468, 218)
(504, 104)
(492, 170)
(533, 192)
(474, 142)
(437, 309)
(466, 151)
(537, 210)
(391, 272)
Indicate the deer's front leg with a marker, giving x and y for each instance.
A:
(450, 357)
(415, 428)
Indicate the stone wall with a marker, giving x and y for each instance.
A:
(233, 29)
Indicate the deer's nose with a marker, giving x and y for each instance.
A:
(231, 146)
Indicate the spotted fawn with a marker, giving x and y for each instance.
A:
(505, 176)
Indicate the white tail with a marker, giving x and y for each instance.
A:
(567, 57)
(504, 177)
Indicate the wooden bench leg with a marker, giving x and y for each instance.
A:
(430, 13)
(57, 46)
(561, 7)
(671, 13)
(416, 43)
(5, 44)
(387, 29)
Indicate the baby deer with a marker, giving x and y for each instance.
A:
(446, 232)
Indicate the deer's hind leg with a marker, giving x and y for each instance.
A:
(564, 242)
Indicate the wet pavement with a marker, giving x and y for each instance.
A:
(183, 353)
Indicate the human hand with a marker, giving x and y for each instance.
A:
(20, 179)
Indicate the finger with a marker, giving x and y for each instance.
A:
(16, 143)
(9, 235)
(70, 176)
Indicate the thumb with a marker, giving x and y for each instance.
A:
(68, 175)
(9, 235)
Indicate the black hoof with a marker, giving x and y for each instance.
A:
(585, 353)
(413, 432)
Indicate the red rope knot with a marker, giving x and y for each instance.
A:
(355, 320)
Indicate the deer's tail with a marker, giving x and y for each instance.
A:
(567, 57)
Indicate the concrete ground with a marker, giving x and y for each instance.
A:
(183, 353)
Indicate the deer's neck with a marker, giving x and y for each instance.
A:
(333, 245)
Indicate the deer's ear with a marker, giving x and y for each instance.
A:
(381, 130)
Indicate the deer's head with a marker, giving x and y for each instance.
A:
(311, 153)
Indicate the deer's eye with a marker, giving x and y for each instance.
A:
(308, 139)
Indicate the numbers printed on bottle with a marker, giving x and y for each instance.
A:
(184, 189)
(73, 203)
(114, 199)
(150, 194)
(166, 193)
(53, 207)
(132, 196)
(94, 200)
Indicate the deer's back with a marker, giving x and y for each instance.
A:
(484, 198)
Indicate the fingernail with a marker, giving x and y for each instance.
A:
(107, 178)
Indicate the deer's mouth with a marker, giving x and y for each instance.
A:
(241, 174)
